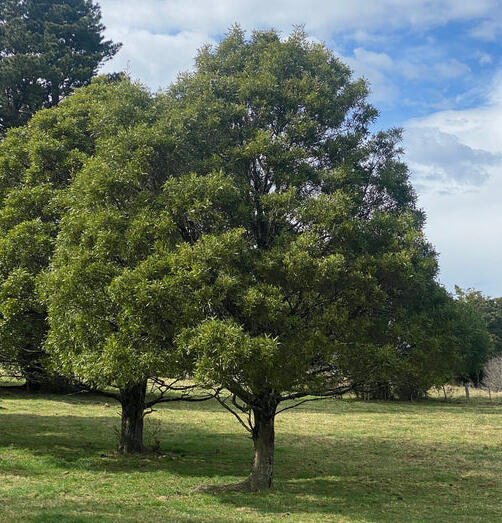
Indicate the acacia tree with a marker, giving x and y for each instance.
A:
(48, 48)
(325, 258)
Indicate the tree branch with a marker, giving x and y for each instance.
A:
(223, 403)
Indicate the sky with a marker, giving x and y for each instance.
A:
(434, 69)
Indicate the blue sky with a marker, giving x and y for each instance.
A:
(435, 69)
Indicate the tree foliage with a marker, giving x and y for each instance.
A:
(48, 48)
(475, 341)
(37, 163)
(491, 311)
(127, 222)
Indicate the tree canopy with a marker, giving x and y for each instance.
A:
(37, 163)
(333, 267)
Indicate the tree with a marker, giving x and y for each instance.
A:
(325, 258)
(493, 374)
(115, 289)
(474, 340)
(37, 162)
(48, 48)
(491, 310)
(454, 346)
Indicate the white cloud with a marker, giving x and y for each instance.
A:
(378, 60)
(487, 30)
(214, 16)
(441, 161)
(456, 160)
(373, 67)
(479, 128)
(155, 59)
(485, 59)
(451, 69)
(176, 28)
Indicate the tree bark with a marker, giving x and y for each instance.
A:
(263, 434)
(133, 405)
(467, 395)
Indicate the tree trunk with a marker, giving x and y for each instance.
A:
(133, 406)
(263, 435)
(263, 438)
(445, 395)
(30, 361)
(467, 395)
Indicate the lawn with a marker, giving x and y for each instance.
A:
(336, 460)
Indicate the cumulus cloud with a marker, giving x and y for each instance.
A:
(214, 16)
(487, 30)
(456, 161)
(374, 67)
(479, 128)
(161, 36)
(155, 58)
(440, 160)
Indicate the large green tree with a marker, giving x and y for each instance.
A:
(47, 49)
(87, 176)
(252, 217)
(329, 268)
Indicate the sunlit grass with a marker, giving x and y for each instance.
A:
(336, 460)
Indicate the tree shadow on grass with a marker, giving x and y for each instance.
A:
(379, 480)
(362, 476)
(79, 398)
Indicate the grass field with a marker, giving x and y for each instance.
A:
(336, 460)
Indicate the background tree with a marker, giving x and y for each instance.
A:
(433, 358)
(474, 339)
(327, 258)
(492, 375)
(452, 345)
(37, 162)
(491, 310)
(47, 49)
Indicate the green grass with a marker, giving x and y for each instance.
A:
(337, 460)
